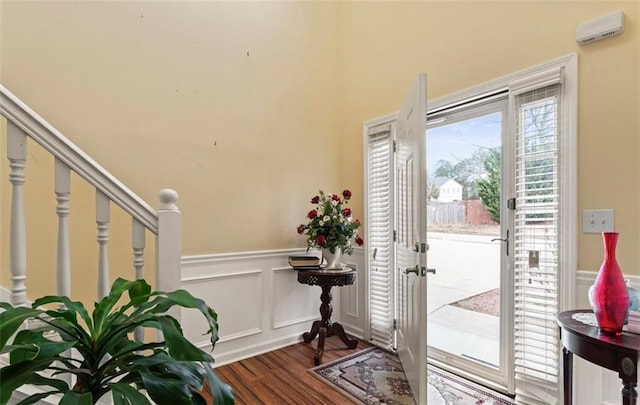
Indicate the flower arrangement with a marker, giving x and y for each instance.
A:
(331, 225)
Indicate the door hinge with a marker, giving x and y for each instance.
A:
(395, 235)
(395, 324)
(395, 148)
(511, 203)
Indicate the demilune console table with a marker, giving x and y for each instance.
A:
(617, 353)
(324, 328)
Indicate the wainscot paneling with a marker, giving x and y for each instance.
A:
(593, 385)
(260, 304)
(353, 299)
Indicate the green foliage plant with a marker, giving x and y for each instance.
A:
(171, 371)
(489, 188)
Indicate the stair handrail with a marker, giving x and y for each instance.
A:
(62, 148)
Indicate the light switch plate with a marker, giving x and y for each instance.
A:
(597, 221)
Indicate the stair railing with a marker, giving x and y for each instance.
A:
(165, 223)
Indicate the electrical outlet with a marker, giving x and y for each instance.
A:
(597, 221)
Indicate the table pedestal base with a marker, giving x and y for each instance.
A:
(324, 328)
(326, 331)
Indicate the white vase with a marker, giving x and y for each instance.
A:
(332, 260)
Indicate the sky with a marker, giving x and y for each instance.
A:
(458, 140)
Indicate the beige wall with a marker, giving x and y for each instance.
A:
(462, 44)
(232, 104)
(247, 108)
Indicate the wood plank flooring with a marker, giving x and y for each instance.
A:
(281, 376)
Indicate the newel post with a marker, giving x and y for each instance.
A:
(169, 244)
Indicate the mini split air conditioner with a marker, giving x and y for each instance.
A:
(600, 28)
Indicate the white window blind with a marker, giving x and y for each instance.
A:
(380, 235)
(536, 249)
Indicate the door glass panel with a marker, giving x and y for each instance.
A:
(463, 216)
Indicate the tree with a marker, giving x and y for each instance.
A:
(433, 192)
(467, 171)
(489, 187)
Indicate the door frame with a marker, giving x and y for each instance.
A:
(502, 378)
(568, 171)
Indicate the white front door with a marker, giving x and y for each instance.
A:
(411, 230)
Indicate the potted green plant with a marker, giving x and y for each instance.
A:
(109, 359)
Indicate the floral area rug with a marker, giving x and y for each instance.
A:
(375, 376)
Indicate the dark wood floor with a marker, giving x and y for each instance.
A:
(281, 376)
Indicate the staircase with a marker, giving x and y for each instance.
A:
(25, 126)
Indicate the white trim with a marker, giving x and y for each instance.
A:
(536, 81)
(569, 185)
(278, 325)
(212, 258)
(496, 85)
(219, 276)
(5, 294)
(272, 306)
(256, 349)
(55, 142)
(228, 338)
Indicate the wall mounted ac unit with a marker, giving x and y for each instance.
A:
(600, 28)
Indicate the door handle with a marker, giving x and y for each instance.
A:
(410, 270)
(503, 240)
(432, 271)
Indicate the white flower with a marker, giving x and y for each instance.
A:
(326, 218)
(321, 222)
(349, 219)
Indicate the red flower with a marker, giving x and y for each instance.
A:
(357, 221)
(321, 241)
(359, 241)
(312, 214)
(346, 212)
(315, 200)
(335, 197)
(346, 194)
(300, 229)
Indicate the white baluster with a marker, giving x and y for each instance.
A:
(103, 218)
(169, 245)
(138, 242)
(63, 190)
(17, 154)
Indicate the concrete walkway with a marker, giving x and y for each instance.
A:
(466, 265)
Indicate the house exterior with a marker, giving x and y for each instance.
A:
(248, 108)
(449, 189)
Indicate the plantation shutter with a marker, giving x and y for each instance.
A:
(537, 225)
(380, 234)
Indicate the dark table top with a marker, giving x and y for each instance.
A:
(327, 277)
(627, 340)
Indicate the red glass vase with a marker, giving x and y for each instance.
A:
(610, 299)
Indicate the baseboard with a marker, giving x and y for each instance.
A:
(5, 294)
(255, 349)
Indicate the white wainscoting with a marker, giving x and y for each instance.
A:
(260, 304)
(593, 385)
